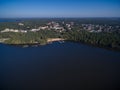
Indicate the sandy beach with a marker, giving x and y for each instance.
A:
(49, 40)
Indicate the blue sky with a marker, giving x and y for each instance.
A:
(59, 8)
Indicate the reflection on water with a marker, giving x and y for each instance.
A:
(58, 65)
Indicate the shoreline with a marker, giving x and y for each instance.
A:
(49, 40)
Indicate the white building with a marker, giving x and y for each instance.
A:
(13, 30)
(34, 30)
(43, 27)
(21, 24)
(23, 31)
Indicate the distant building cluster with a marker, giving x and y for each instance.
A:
(99, 28)
(13, 30)
(62, 27)
(49, 26)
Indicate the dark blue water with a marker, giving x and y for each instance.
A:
(10, 20)
(66, 65)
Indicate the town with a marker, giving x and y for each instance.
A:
(63, 27)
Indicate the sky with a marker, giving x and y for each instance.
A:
(59, 8)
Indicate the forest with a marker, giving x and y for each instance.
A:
(104, 39)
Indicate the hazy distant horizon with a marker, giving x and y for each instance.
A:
(53, 17)
(59, 8)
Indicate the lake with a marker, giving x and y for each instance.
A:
(60, 66)
(9, 20)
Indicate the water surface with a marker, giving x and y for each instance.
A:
(56, 65)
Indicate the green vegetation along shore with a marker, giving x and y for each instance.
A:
(108, 40)
(98, 32)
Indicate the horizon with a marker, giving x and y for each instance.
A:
(59, 17)
(59, 8)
